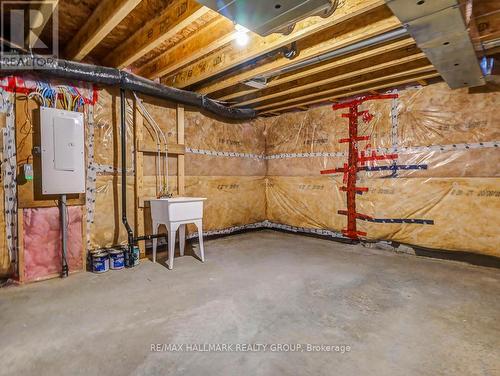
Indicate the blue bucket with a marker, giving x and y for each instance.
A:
(116, 259)
(100, 261)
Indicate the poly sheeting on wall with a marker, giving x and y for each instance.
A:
(234, 185)
(454, 133)
(269, 168)
(453, 205)
(42, 241)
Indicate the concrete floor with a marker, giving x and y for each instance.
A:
(400, 314)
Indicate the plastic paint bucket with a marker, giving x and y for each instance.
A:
(100, 261)
(116, 259)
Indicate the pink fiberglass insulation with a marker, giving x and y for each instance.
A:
(42, 242)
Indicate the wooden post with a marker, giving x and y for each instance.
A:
(138, 177)
(180, 157)
(84, 238)
(20, 244)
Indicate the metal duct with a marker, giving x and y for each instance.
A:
(370, 42)
(440, 31)
(69, 70)
(265, 17)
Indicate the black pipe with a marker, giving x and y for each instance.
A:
(129, 260)
(70, 70)
(149, 237)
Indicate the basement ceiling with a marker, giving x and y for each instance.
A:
(184, 44)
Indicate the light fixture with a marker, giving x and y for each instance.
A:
(241, 36)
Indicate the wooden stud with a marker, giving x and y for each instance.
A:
(206, 40)
(107, 15)
(336, 78)
(334, 99)
(173, 149)
(139, 176)
(348, 60)
(156, 31)
(84, 238)
(180, 157)
(327, 93)
(45, 9)
(231, 55)
(20, 244)
(422, 82)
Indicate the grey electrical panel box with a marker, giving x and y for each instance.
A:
(63, 151)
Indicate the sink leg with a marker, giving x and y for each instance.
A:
(182, 238)
(199, 226)
(171, 243)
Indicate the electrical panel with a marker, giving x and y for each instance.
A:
(62, 135)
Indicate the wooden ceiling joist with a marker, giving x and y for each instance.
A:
(231, 56)
(45, 9)
(156, 31)
(317, 69)
(364, 28)
(387, 85)
(107, 15)
(213, 36)
(328, 93)
(352, 74)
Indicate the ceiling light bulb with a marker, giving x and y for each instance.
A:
(242, 38)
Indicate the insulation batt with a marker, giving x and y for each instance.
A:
(42, 241)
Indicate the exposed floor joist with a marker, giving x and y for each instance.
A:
(387, 85)
(362, 80)
(348, 86)
(158, 30)
(352, 74)
(105, 17)
(317, 69)
(45, 10)
(213, 36)
(230, 56)
(348, 33)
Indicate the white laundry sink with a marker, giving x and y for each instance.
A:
(175, 213)
(176, 209)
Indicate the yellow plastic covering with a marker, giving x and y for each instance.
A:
(233, 185)
(459, 190)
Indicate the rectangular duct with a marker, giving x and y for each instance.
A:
(440, 31)
(270, 16)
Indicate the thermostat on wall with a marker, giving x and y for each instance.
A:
(63, 151)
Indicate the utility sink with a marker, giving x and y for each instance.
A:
(175, 213)
(176, 209)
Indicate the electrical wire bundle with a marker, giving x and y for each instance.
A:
(69, 96)
(162, 162)
(45, 93)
